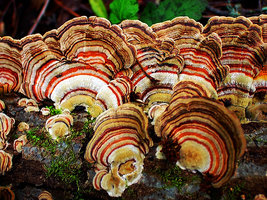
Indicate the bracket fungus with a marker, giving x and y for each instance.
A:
(75, 76)
(6, 193)
(2, 105)
(5, 161)
(118, 148)
(10, 65)
(202, 66)
(6, 123)
(157, 66)
(210, 137)
(45, 195)
(243, 51)
(59, 125)
(19, 143)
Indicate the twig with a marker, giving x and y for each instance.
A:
(39, 17)
(217, 11)
(66, 8)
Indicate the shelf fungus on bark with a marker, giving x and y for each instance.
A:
(5, 161)
(23, 126)
(157, 66)
(29, 104)
(6, 193)
(45, 195)
(59, 125)
(2, 105)
(243, 51)
(258, 109)
(202, 66)
(19, 143)
(6, 124)
(10, 65)
(207, 137)
(118, 148)
(93, 52)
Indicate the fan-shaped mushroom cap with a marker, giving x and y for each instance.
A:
(177, 28)
(45, 111)
(6, 123)
(158, 63)
(243, 51)
(261, 20)
(118, 147)
(201, 55)
(2, 105)
(92, 52)
(5, 162)
(23, 126)
(59, 125)
(6, 193)
(19, 143)
(45, 195)
(10, 65)
(210, 137)
(115, 93)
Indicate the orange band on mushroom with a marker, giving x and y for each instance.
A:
(118, 148)
(59, 125)
(158, 63)
(210, 137)
(243, 51)
(10, 65)
(19, 143)
(2, 105)
(5, 162)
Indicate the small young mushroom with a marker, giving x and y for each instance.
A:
(118, 148)
(2, 105)
(6, 193)
(45, 195)
(5, 162)
(45, 111)
(29, 104)
(19, 143)
(59, 125)
(6, 123)
(23, 126)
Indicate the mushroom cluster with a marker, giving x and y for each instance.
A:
(187, 78)
(118, 148)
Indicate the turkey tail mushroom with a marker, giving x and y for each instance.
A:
(209, 138)
(202, 66)
(45, 195)
(5, 162)
(6, 193)
(118, 148)
(59, 125)
(19, 143)
(6, 123)
(2, 105)
(157, 67)
(243, 51)
(10, 65)
(92, 52)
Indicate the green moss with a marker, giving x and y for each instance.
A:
(53, 110)
(65, 163)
